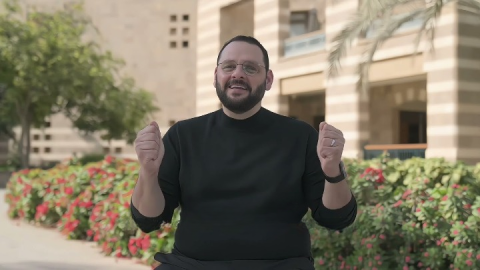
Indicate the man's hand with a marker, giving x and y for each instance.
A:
(150, 149)
(330, 148)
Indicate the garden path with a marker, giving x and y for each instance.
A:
(23, 246)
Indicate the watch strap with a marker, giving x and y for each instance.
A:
(339, 178)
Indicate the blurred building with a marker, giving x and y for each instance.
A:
(418, 105)
(157, 39)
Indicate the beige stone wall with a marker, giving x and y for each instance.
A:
(453, 88)
(142, 33)
(446, 87)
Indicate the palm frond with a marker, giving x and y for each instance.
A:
(367, 14)
(391, 25)
(469, 5)
(430, 15)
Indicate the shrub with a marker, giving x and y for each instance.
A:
(89, 202)
(413, 214)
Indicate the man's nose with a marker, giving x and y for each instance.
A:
(238, 72)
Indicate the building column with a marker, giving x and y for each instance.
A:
(453, 88)
(346, 107)
(272, 19)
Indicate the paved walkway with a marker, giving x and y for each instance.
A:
(23, 247)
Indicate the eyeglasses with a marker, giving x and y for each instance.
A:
(250, 68)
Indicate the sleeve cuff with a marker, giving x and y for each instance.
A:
(146, 224)
(337, 219)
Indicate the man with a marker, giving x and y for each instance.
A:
(243, 176)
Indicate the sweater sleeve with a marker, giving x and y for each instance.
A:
(169, 184)
(313, 186)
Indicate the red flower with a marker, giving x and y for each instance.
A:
(69, 190)
(406, 194)
(108, 159)
(146, 242)
(133, 249)
(397, 204)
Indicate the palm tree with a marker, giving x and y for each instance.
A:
(371, 11)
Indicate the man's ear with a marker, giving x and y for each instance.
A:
(215, 77)
(269, 80)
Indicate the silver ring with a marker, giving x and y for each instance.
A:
(333, 142)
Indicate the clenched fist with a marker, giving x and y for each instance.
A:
(330, 148)
(150, 149)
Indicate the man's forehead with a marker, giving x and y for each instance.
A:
(239, 50)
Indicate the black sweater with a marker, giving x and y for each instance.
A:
(243, 187)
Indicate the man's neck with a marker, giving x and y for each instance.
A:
(242, 116)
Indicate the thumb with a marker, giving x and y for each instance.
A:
(322, 125)
(153, 123)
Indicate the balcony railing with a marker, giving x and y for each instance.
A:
(304, 44)
(410, 25)
(400, 151)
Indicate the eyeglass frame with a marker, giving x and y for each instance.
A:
(243, 68)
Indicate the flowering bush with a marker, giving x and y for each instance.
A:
(87, 202)
(413, 214)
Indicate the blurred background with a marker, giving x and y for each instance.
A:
(169, 48)
(79, 79)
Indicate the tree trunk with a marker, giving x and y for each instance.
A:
(29, 141)
(21, 142)
(24, 143)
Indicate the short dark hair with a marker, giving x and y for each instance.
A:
(249, 40)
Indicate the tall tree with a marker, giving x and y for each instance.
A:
(373, 13)
(47, 66)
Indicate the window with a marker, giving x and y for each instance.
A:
(35, 150)
(302, 22)
(173, 31)
(118, 150)
(185, 44)
(185, 31)
(106, 150)
(47, 150)
(36, 137)
(48, 124)
(186, 18)
(48, 137)
(173, 18)
(173, 44)
(413, 127)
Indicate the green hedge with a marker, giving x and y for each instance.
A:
(413, 214)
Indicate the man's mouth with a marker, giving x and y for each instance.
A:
(234, 86)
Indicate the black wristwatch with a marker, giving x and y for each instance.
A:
(339, 178)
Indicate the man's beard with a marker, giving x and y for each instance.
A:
(241, 105)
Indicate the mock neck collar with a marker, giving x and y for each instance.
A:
(257, 121)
